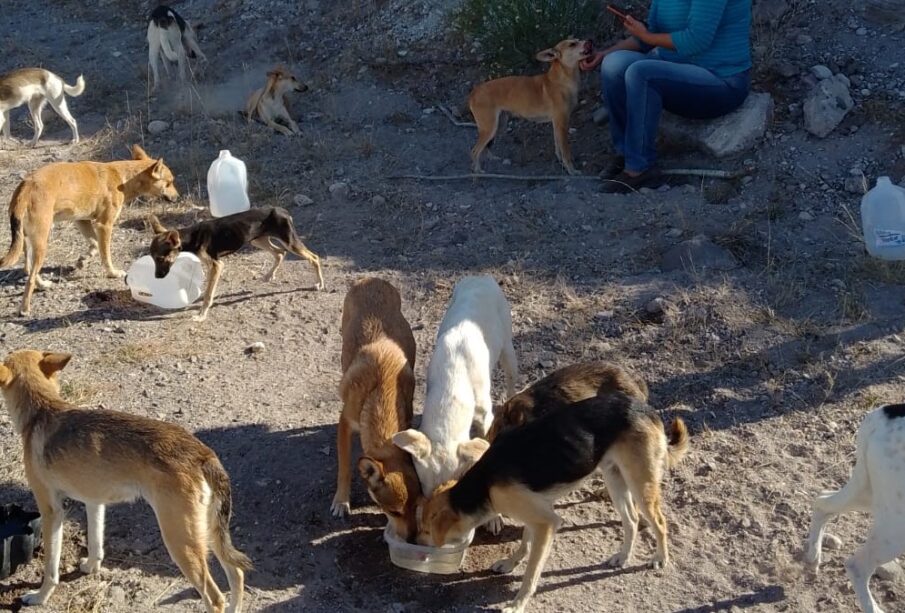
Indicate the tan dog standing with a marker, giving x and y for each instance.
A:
(101, 457)
(377, 390)
(269, 103)
(545, 98)
(91, 194)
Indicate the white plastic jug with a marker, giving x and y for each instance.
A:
(227, 185)
(181, 287)
(883, 220)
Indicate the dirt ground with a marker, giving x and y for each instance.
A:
(772, 364)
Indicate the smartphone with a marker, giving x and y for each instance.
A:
(617, 12)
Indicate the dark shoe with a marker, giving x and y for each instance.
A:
(613, 167)
(624, 183)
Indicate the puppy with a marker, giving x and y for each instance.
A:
(269, 103)
(527, 469)
(549, 97)
(37, 87)
(172, 39)
(876, 487)
(90, 193)
(564, 387)
(377, 390)
(267, 228)
(101, 457)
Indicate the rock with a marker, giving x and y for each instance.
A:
(805, 216)
(655, 306)
(340, 190)
(856, 185)
(601, 115)
(302, 200)
(891, 571)
(821, 72)
(725, 136)
(256, 347)
(378, 200)
(803, 39)
(769, 12)
(157, 126)
(696, 254)
(117, 596)
(826, 106)
(861, 31)
(832, 542)
(786, 69)
(674, 233)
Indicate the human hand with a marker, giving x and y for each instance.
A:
(593, 61)
(635, 28)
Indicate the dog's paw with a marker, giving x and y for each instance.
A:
(573, 172)
(34, 598)
(340, 509)
(495, 525)
(116, 273)
(89, 566)
(515, 607)
(617, 561)
(199, 318)
(504, 566)
(321, 287)
(657, 564)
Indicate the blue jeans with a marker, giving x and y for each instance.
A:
(637, 87)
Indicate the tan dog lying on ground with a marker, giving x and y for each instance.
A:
(101, 457)
(564, 387)
(377, 390)
(269, 103)
(91, 194)
(545, 98)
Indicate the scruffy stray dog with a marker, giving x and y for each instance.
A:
(269, 228)
(549, 97)
(91, 194)
(527, 469)
(269, 103)
(37, 87)
(563, 387)
(377, 390)
(876, 486)
(171, 39)
(102, 457)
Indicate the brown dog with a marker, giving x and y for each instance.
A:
(269, 103)
(91, 194)
(101, 457)
(377, 390)
(564, 387)
(545, 98)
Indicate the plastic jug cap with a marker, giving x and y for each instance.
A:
(883, 181)
(224, 153)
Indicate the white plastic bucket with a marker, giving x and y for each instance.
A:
(181, 287)
(227, 185)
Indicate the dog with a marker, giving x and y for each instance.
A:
(564, 387)
(171, 39)
(37, 87)
(876, 487)
(475, 334)
(269, 103)
(545, 98)
(377, 390)
(101, 457)
(215, 238)
(91, 194)
(526, 469)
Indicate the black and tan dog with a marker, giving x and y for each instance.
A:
(270, 229)
(563, 387)
(525, 470)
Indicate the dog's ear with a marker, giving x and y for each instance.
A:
(414, 442)
(371, 471)
(156, 226)
(53, 362)
(547, 55)
(470, 452)
(172, 237)
(157, 169)
(139, 154)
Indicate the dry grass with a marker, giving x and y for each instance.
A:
(145, 352)
(79, 392)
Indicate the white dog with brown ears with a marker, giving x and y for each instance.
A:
(37, 87)
(101, 457)
(269, 103)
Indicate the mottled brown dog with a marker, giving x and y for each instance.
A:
(377, 390)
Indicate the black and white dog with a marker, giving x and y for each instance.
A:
(172, 39)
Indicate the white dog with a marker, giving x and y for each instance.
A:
(475, 334)
(37, 87)
(172, 39)
(877, 486)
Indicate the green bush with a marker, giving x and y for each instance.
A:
(511, 32)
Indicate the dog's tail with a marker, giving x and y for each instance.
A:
(17, 208)
(220, 512)
(678, 442)
(77, 89)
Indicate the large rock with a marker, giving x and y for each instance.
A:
(698, 254)
(728, 135)
(827, 105)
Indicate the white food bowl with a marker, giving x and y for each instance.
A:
(444, 560)
(181, 287)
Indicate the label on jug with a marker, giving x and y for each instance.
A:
(889, 238)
